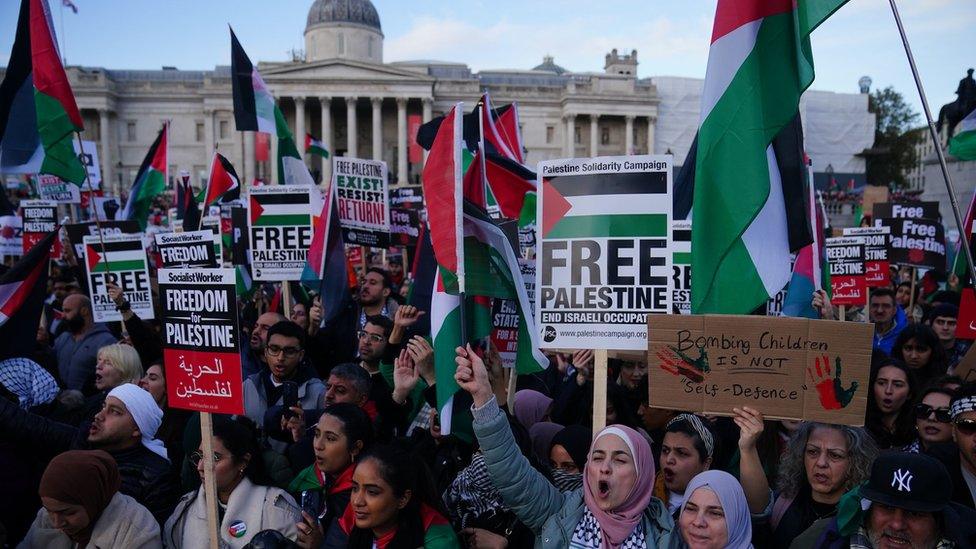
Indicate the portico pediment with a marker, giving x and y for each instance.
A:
(338, 70)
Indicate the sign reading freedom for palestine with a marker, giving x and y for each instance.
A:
(201, 350)
(280, 227)
(845, 257)
(604, 250)
(787, 368)
(187, 250)
(362, 191)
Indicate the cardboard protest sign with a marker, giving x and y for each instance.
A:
(121, 261)
(681, 266)
(77, 232)
(280, 229)
(404, 226)
(201, 340)
(966, 323)
(39, 218)
(876, 262)
(873, 194)
(362, 191)
(787, 368)
(907, 210)
(966, 368)
(845, 257)
(916, 242)
(187, 250)
(604, 256)
(11, 235)
(52, 187)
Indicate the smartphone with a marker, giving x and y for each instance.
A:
(289, 396)
(312, 503)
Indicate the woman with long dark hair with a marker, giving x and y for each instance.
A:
(919, 348)
(889, 417)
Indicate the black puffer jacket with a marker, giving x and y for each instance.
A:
(146, 477)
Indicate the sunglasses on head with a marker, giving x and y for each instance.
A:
(966, 426)
(924, 411)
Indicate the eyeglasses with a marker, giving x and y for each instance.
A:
(290, 352)
(966, 426)
(924, 411)
(197, 457)
(375, 338)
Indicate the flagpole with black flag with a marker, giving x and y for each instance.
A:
(935, 140)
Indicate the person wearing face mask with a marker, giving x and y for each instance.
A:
(82, 507)
(715, 515)
(567, 457)
(615, 506)
(77, 347)
(933, 421)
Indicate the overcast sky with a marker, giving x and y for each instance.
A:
(671, 37)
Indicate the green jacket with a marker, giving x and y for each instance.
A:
(550, 514)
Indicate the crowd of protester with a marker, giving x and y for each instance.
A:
(91, 454)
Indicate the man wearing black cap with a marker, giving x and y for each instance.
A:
(906, 503)
(942, 319)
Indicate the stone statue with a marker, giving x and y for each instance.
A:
(964, 104)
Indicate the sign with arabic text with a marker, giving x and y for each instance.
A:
(787, 368)
(201, 345)
(845, 256)
(876, 264)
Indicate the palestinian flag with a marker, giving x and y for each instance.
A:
(810, 270)
(38, 113)
(442, 180)
(313, 145)
(223, 179)
(959, 267)
(621, 211)
(963, 144)
(759, 63)
(501, 129)
(22, 292)
(291, 168)
(114, 257)
(509, 183)
(284, 209)
(254, 106)
(326, 261)
(150, 181)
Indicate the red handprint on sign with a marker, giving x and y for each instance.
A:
(831, 390)
(677, 363)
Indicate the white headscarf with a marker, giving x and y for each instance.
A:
(145, 412)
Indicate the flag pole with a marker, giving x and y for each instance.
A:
(459, 217)
(935, 137)
(98, 223)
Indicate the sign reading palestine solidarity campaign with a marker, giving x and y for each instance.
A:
(875, 254)
(280, 229)
(187, 250)
(40, 217)
(845, 256)
(201, 347)
(122, 261)
(363, 193)
(604, 250)
(787, 368)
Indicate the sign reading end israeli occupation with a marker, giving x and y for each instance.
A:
(280, 229)
(121, 261)
(604, 250)
(187, 250)
(201, 350)
(362, 191)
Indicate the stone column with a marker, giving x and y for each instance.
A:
(402, 169)
(651, 121)
(352, 133)
(377, 103)
(250, 163)
(594, 135)
(427, 116)
(570, 145)
(273, 155)
(300, 125)
(326, 106)
(629, 134)
(105, 155)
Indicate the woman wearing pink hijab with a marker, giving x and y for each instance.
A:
(615, 507)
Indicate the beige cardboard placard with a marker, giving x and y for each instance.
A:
(966, 368)
(873, 195)
(787, 368)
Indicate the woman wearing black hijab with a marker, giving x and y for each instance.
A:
(82, 507)
(567, 456)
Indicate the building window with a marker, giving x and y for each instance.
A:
(199, 132)
(341, 47)
(550, 134)
(577, 137)
(604, 136)
(130, 130)
(224, 129)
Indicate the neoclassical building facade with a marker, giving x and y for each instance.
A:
(341, 91)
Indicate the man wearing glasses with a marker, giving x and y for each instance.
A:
(284, 353)
(960, 458)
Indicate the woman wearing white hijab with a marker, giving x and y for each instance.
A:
(715, 515)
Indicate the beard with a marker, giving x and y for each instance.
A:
(75, 324)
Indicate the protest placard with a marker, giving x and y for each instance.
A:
(404, 226)
(876, 262)
(907, 210)
(787, 368)
(77, 232)
(871, 195)
(407, 196)
(362, 192)
(845, 257)
(104, 208)
(604, 258)
(681, 266)
(504, 332)
(212, 223)
(201, 346)
(187, 250)
(52, 187)
(966, 322)
(89, 159)
(39, 218)
(916, 242)
(11, 236)
(280, 229)
(121, 260)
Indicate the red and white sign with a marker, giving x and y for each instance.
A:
(876, 264)
(40, 217)
(966, 323)
(201, 347)
(845, 256)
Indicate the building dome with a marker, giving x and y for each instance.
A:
(359, 12)
(549, 65)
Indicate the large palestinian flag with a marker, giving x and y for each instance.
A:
(223, 179)
(150, 181)
(622, 209)
(254, 105)
(38, 114)
(325, 264)
(22, 292)
(115, 257)
(759, 63)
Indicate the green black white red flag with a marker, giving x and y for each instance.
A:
(223, 179)
(150, 180)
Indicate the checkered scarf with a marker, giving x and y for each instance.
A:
(26, 379)
(962, 405)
